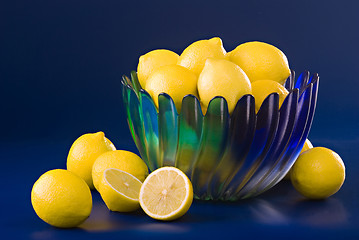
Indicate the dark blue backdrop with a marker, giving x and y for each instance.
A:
(61, 63)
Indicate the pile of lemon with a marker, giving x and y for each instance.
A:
(63, 198)
(206, 70)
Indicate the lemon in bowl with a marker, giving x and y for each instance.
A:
(261, 61)
(221, 77)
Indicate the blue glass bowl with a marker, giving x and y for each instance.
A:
(227, 157)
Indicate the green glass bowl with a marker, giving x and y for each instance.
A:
(227, 157)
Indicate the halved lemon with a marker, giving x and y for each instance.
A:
(120, 190)
(166, 194)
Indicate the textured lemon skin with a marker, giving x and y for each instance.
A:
(318, 173)
(262, 88)
(116, 201)
(119, 159)
(186, 204)
(221, 77)
(175, 80)
(261, 61)
(151, 61)
(196, 54)
(83, 153)
(61, 198)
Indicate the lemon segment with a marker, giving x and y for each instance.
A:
(119, 190)
(260, 61)
(61, 198)
(196, 54)
(175, 80)
(83, 153)
(221, 77)
(166, 194)
(318, 173)
(153, 60)
(119, 159)
(262, 88)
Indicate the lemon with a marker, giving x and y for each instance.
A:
(120, 190)
(262, 88)
(166, 194)
(221, 77)
(153, 60)
(61, 198)
(307, 145)
(119, 159)
(175, 80)
(84, 152)
(261, 61)
(318, 173)
(196, 54)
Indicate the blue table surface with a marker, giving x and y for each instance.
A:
(280, 213)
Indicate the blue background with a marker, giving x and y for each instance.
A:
(60, 69)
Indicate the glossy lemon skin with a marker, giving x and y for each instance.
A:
(261, 61)
(83, 153)
(61, 198)
(318, 173)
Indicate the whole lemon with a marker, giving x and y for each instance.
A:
(119, 159)
(318, 173)
(196, 54)
(61, 198)
(84, 152)
(262, 88)
(175, 80)
(221, 77)
(261, 61)
(153, 60)
(307, 145)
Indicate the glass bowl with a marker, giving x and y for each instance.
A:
(226, 156)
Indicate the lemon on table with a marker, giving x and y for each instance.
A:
(318, 173)
(221, 77)
(120, 190)
(166, 194)
(262, 88)
(175, 80)
(61, 198)
(196, 54)
(84, 152)
(261, 61)
(119, 159)
(307, 145)
(153, 60)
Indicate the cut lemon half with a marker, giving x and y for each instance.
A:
(119, 190)
(166, 194)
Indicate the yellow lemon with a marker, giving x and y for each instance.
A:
(166, 194)
(120, 190)
(84, 152)
(261, 61)
(153, 60)
(262, 88)
(318, 173)
(196, 54)
(221, 77)
(119, 159)
(175, 80)
(61, 198)
(307, 145)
